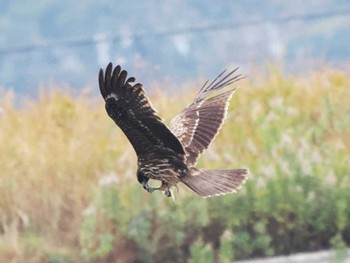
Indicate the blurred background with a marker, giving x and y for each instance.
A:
(68, 175)
(66, 43)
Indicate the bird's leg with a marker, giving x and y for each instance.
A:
(143, 180)
(147, 187)
(163, 187)
(167, 191)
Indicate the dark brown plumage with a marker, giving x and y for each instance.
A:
(170, 154)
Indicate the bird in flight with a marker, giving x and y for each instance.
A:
(169, 154)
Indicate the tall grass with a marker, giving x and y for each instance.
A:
(69, 191)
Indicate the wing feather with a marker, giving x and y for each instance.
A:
(198, 124)
(131, 110)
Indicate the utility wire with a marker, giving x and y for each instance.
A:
(70, 43)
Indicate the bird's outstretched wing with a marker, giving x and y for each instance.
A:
(131, 110)
(198, 124)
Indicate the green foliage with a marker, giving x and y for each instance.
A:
(200, 253)
(69, 189)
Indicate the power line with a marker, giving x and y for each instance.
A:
(168, 33)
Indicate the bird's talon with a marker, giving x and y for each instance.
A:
(167, 192)
(148, 188)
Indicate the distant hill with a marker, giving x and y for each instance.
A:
(165, 41)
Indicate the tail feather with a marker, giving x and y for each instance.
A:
(207, 182)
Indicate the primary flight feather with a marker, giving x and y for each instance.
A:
(170, 154)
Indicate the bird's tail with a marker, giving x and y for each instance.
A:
(207, 182)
